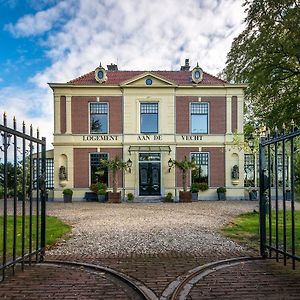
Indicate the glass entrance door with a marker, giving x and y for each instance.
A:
(149, 174)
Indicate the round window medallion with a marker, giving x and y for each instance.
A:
(197, 74)
(100, 74)
(149, 81)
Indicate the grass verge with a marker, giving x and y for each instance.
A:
(245, 229)
(55, 229)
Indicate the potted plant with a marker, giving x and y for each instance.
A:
(169, 197)
(253, 194)
(130, 197)
(114, 165)
(68, 193)
(203, 186)
(184, 166)
(194, 190)
(221, 193)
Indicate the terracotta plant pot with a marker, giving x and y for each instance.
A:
(114, 197)
(185, 196)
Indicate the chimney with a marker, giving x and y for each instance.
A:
(112, 67)
(186, 66)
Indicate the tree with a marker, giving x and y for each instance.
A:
(114, 165)
(266, 56)
(185, 165)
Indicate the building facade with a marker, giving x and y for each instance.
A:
(148, 118)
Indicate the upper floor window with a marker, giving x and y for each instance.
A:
(99, 117)
(98, 172)
(200, 174)
(149, 117)
(199, 117)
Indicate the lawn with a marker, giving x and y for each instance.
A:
(245, 229)
(55, 229)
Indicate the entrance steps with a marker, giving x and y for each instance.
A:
(148, 199)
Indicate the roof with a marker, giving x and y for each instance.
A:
(118, 77)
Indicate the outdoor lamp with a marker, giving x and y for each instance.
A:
(251, 142)
(129, 165)
(7, 142)
(170, 164)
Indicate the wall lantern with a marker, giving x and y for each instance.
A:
(6, 139)
(129, 165)
(170, 164)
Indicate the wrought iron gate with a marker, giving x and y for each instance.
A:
(279, 165)
(23, 195)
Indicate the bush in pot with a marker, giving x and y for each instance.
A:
(194, 190)
(184, 166)
(130, 197)
(68, 193)
(221, 193)
(114, 165)
(169, 197)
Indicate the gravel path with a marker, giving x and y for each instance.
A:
(148, 229)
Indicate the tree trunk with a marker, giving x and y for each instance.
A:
(115, 181)
(184, 180)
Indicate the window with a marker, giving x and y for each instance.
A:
(200, 174)
(49, 172)
(149, 117)
(249, 168)
(199, 117)
(102, 173)
(98, 118)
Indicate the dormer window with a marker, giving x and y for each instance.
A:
(197, 74)
(100, 74)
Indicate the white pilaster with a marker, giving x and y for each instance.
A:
(228, 115)
(57, 114)
(68, 115)
(240, 115)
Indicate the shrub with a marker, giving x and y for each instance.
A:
(130, 196)
(194, 187)
(221, 189)
(68, 192)
(99, 186)
(101, 192)
(169, 197)
(203, 186)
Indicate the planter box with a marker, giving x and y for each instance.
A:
(252, 196)
(114, 197)
(67, 198)
(185, 196)
(101, 198)
(195, 196)
(221, 196)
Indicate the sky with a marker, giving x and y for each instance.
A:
(44, 41)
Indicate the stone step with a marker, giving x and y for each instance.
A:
(148, 199)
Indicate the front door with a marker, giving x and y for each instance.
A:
(149, 175)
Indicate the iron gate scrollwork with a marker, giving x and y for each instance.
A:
(23, 194)
(279, 165)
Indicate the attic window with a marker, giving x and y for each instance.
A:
(100, 74)
(149, 81)
(197, 74)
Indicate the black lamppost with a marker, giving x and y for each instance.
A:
(170, 164)
(129, 165)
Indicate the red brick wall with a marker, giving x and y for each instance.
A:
(82, 161)
(180, 154)
(80, 113)
(81, 167)
(216, 165)
(217, 113)
(63, 124)
(234, 113)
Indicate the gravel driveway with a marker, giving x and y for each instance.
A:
(148, 229)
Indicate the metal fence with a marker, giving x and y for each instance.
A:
(279, 164)
(23, 210)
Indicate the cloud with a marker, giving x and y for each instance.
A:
(136, 34)
(31, 106)
(40, 22)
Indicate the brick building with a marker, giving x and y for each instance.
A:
(148, 117)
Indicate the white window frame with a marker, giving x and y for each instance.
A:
(140, 119)
(190, 118)
(208, 166)
(89, 116)
(90, 179)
